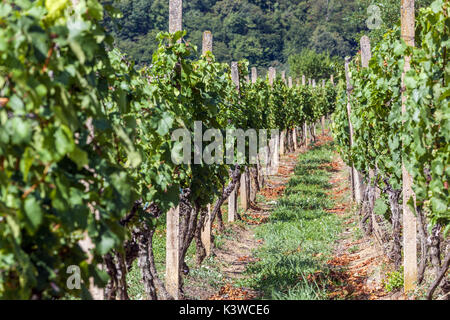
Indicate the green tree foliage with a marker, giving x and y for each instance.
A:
(312, 65)
(263, 32)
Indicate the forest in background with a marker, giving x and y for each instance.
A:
(264, 32)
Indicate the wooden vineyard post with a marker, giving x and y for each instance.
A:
(313, 125)
(272, 75)
(355, 177)
(175, 15)
(232, 206)
(322, 119)
(173, 279)
(207, 42)
(282, 141)
(260, 169)
(409, 220)
(269, 144)
(293, 130)
(274, 154)
(244, 191)
(232, 200)
(297, 129)
(305, 125)
(283, 132)
(365, 51)
(206, 230)
(244, 185)
(254, 75)
(366, 54)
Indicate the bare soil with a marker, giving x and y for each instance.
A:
(359, 264)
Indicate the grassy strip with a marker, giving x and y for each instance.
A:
(300, 234)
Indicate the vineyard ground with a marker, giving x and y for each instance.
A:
(300, 240)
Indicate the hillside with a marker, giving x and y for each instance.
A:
(264, 32)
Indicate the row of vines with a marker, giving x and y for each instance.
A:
(384, 138)
(85, 146)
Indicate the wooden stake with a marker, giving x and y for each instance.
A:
(175, 15)
(235, 74)
(294, 133)
(357, 195)
(173, 279)
(254, 75)
(206, 232)
(232, 200)
(244, 192)
(366, 54)
(409, 220)
(305, 134)
(274, 143)
(272, 75)
(207, 42)
(294, 137)
(305, 126)
(282, 142)
(322, 119)
(232, 206)
(284, 135)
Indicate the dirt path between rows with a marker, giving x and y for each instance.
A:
(237, 253)
(358, 264)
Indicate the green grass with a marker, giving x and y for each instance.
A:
(298, 230)
(300, 234)
(208, 271)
